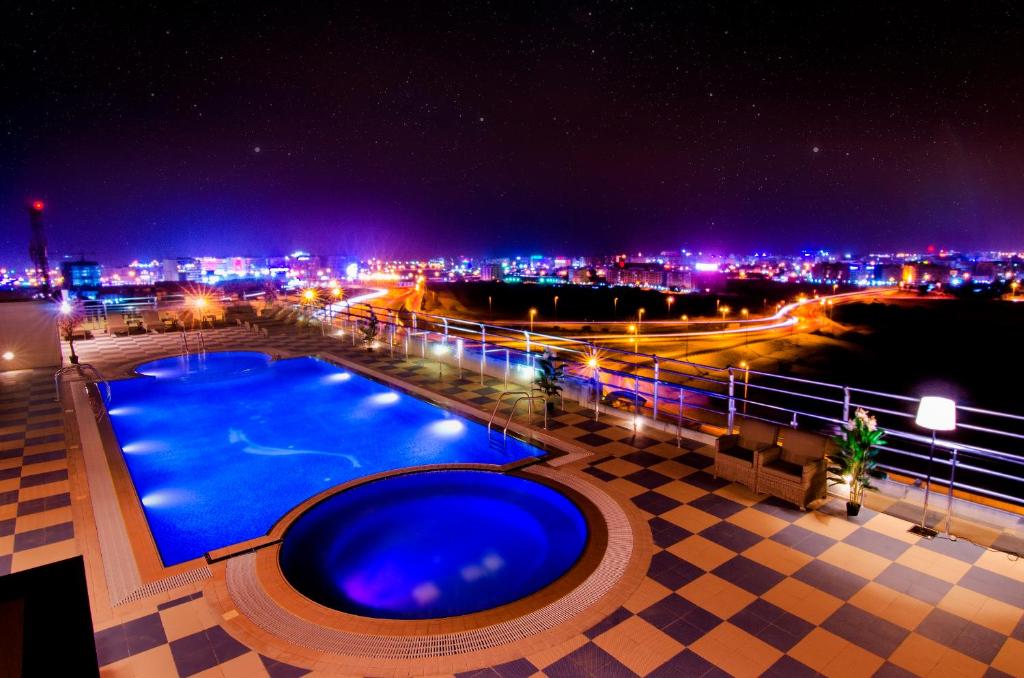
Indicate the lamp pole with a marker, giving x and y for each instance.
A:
(938, 414)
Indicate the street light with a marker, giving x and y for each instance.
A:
(615, 308)
(938, 414)
(556, 307)
(745, 366)
(668, 303)
(636, 339)
(724, 310)
(533, 314)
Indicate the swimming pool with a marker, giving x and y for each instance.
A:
(220, 447)
(433, 544)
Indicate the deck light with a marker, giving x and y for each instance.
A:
(938, 414)
(8, 355)
(592, 363)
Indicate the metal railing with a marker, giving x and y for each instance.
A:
(979, 458)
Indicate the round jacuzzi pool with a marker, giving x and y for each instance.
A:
(433, 544)
(213, 364)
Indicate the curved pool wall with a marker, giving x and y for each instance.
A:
(436, 544)
(219, 448)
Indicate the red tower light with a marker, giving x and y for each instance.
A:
(37, 205)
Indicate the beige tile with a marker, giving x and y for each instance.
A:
(246, 666)
(830, 526)
(182, 620)
(619, 467)
(683, 492)
(963, 602)
(853, 662)
(736, 651)
(690, 518)
(1010, 658)
(739, 494)
(648, 593)
(702, 552)
(956, 665)
(550, 655)
(917, 654)
(998, 616)
(855, 560)
(999, 563)
(155, 662)
(818, 649)
(803, 600)
(758, 522)
(716, 595)
(626, 487)
(119, 669)
(638, 645)
(672, 469)
(934, 564)
(777, 556)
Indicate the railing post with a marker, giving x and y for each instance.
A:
(846, 403)
(636, 399)
(679, 427)
(445, 322)
(483, 352)
(656, 377)
(597, 393)
(529, 356)
(458, 354)
(949, 501)
(507, 366)
(732, 401)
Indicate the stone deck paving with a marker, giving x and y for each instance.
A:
(738, 584)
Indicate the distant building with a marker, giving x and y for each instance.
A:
(491, 272)
(81, 274)
(679, 280)
(641, 275)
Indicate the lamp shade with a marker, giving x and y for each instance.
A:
(936, 413)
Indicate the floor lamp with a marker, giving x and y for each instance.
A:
(937, 414)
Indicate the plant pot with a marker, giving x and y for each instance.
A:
(852, 508)
(73, 359)
(550, 406)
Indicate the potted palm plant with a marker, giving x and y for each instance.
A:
(549, 379)
(855, 460)
(370, 331)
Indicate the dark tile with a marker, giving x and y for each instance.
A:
(924, 587)
(962, 550)
(518, 668)
(44, 478)
(695, 460)
(179, 601)
(11, 454)
(717, 505)
(8, 473)
(962, 635)
(589, 660)
(144, 633)
(7, 527)
(5, 564)
(676, 576)
(655, 502)
(993, 585)
(111, 645)
(644, 459)
(787, 667)
(705, 481)
(648, 478)
(614, 619)
(44, 456)
(866, 630)
(877, 543)
(29, 539)
(803, 540)
(774, 506)
(686, 664)
(748, 575)
(592, 426)
(599, 474)
(830, 579)
(593, 439)
(224, 645)
(731, 536)
(667, 610)
(641, 442)
(44, 504)
(665, 533)
(889, 670)
(684, 632)
(43, 440)
(8, 497)
(193, 654)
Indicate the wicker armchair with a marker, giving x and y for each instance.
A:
(736, 455)
(795, 471)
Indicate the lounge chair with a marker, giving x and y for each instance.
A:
(116, 324)
(796, 469)
(152, 322)
(737, 455)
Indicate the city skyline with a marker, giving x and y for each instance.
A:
(391, 129)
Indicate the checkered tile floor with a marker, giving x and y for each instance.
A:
(738, 585)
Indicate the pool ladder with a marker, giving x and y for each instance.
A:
(201, 343)
(521, 396)
(91, 376)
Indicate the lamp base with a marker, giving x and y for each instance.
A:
(923, 531)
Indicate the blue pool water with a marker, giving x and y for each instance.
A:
(220, 448)
(435, 544)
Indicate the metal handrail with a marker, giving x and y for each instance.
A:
(501, 396)
(785, 401)
(529, 400)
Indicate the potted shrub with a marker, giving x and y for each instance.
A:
(370, 331)
(549, 379)
(68, 322)
(856, 458)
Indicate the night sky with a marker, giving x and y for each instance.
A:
(395, 129)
